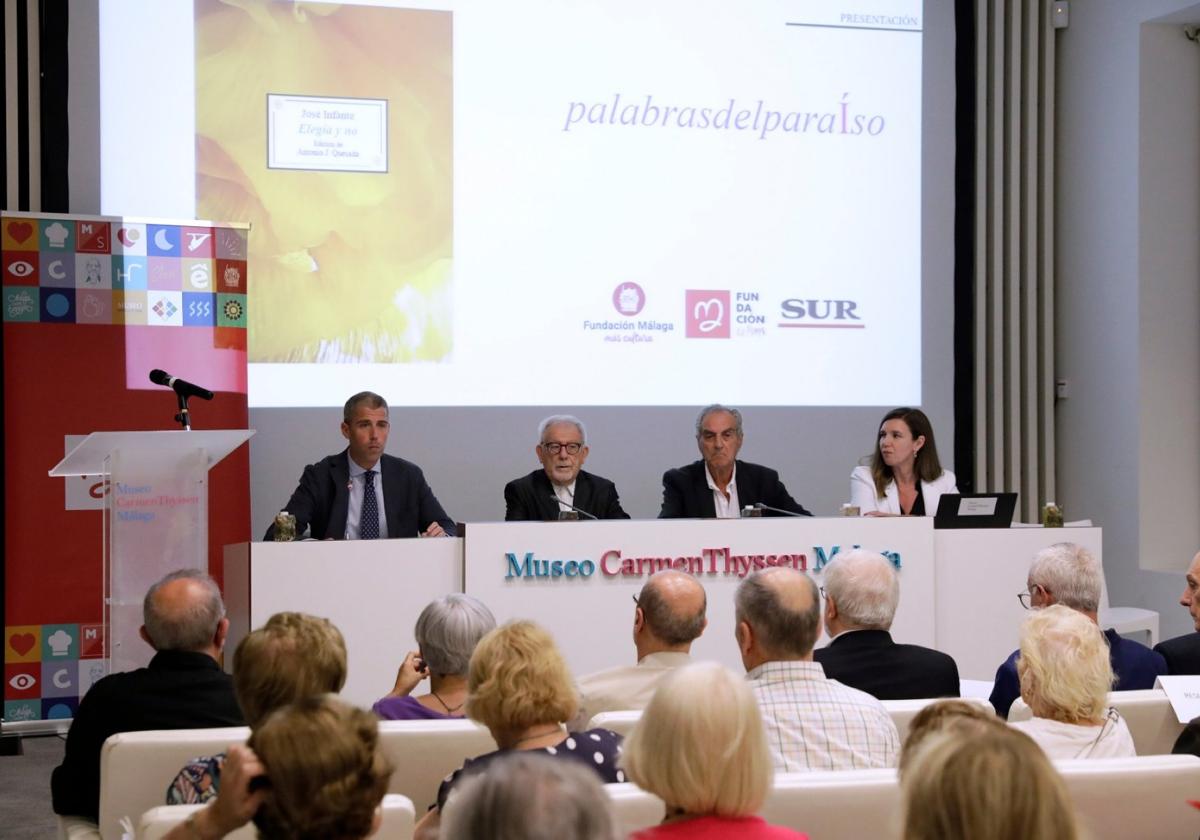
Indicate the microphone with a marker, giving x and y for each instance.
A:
(181, 386)
(761, 506)
(578, 510)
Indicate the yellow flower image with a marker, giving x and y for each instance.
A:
(350, 253)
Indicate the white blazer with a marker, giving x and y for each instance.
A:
(862, 492)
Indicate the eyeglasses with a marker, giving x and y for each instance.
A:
(821, 589)
(636, 601)
(1026, 598)
(555, 448)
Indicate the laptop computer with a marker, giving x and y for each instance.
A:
(975, 510)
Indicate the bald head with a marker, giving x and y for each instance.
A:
(673, 606)
(781, 607)
(863, 591)
(183, 611)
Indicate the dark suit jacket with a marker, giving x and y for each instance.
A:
(322, 500)
(686, 494)
(528, 497)
(1134, 667)
(179, 690)
(870, 661)
(1182, 654)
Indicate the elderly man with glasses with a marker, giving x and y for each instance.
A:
(561, 489)
(1068, 574)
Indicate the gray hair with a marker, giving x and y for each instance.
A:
(562, 418)
(370, 398)
(780, 630)
(448, 630)
(663, 617)
(713, 409)
(1070, 573)
(865, 587)
(190, 627)
(526, 796)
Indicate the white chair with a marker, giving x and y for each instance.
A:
(903, 711)
(634, 808)
(621, 722)
(137, 767)
(425, 752)
(1146, 796)
(77, 828)
(1127, 620)
(837, 803)
(399, 818)
(1147, 712)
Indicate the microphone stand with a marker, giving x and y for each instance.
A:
(184, 417)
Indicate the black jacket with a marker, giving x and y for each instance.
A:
(686, 494)
(870, 661)
(529, 498)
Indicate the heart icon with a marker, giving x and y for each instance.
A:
(20, 231)
(22, 643)
(128, 236)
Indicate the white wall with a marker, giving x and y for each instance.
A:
(1127, 293)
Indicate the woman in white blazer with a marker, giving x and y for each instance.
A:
(905, 476)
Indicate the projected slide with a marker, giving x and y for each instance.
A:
(610, 202)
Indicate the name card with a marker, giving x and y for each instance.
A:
(977, 507)
(1184, 694)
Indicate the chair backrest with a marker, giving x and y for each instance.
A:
(137, 767)
(837, 803)
(1146, 796)
(903, 711)
(399, 818)
(620, 722)
(424, 752)
(634, 808)
(1147, 712)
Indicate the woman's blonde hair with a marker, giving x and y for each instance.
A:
(1064, 666)
(700, 744)
(325, 771)
(955, 716)
(517, 679)
(994, 785)
(293, 655)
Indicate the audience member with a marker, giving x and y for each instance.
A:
(291, 657)
(958, 717)
(561, 485)
(519, 687)
(1065, 678)
(993, 785)
(324, 775)
(183, 687)
(708, 760)
(862, 591)
(1068, 574)
(812, 723)
(447, 631)
(361, 493)
(527, 796)
(668, 617)
(719, 485)
(1182, 653)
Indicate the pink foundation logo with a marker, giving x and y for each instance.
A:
(707, 313)
(628, 298)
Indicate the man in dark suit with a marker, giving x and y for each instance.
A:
(1068, 574)
(861, 595)
(1183, 652)
(183, 687)
(360, 493)
(561, 484)
(719, 486)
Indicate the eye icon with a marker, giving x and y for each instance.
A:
(22, 682)
(20, 268)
